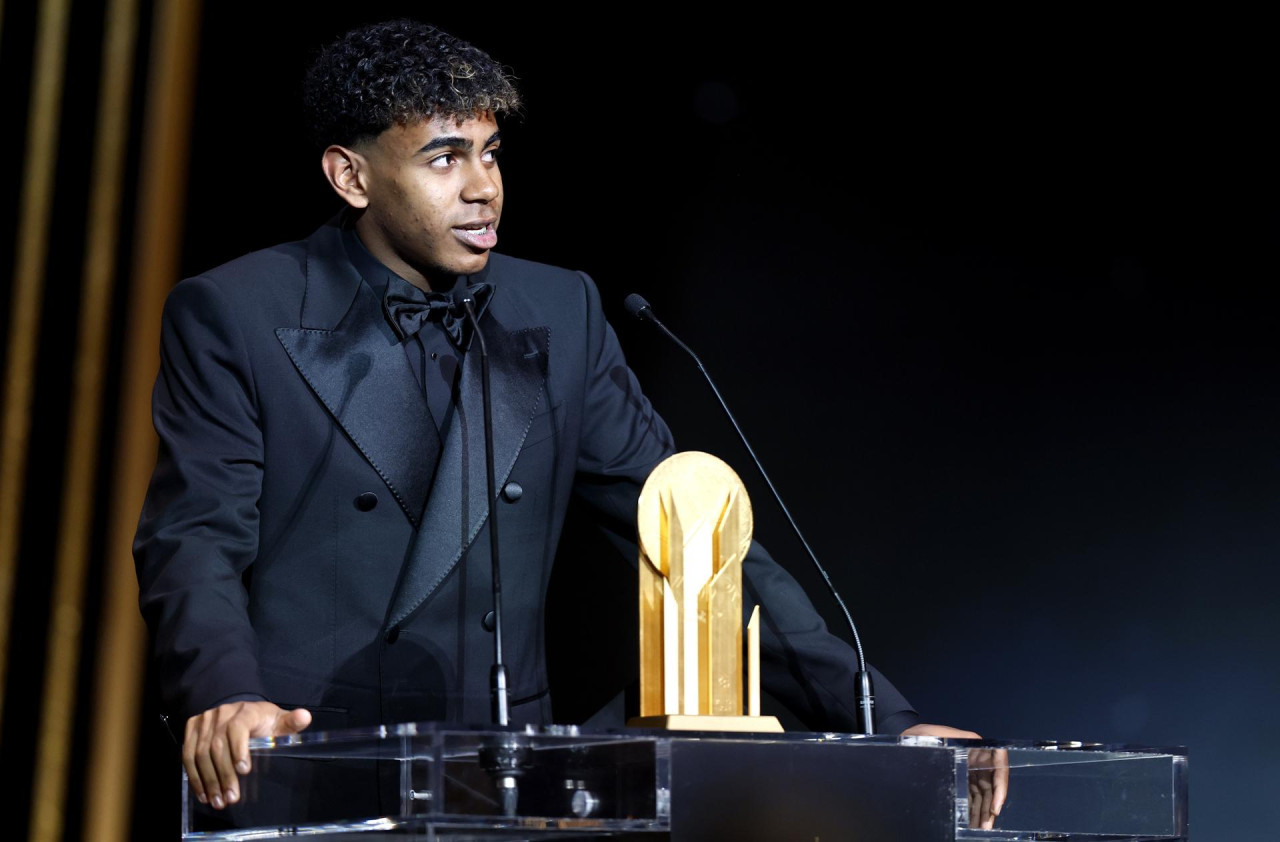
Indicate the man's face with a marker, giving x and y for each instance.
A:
(434, 196)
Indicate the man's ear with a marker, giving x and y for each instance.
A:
(347, 172)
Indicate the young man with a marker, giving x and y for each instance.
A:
(312, 548)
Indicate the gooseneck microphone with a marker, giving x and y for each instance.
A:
(638, 307)
(498, 674)
(506, 757)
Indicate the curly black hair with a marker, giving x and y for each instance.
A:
(398, 72)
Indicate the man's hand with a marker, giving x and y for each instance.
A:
(988, 773)
(216, 745)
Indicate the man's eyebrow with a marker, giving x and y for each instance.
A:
(453, 141)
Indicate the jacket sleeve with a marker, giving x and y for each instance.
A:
(198, 531)
(623, 439)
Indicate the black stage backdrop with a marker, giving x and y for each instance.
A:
(993, 299)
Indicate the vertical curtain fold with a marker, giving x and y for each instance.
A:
(155, 266)
(39, 170)
(75, 524)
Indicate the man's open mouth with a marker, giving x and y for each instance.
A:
(478, 235)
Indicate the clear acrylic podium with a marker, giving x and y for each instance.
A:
(437, 781)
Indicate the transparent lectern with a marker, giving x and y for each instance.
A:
(436, 781)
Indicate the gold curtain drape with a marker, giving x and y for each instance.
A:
(88, 724)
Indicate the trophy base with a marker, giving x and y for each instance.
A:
(687, 722)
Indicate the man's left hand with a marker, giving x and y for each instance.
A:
(988, 773)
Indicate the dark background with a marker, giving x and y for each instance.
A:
(995, 301)
(993, 298)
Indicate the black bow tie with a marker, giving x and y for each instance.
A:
(408, 308)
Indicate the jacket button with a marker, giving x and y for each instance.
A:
(366, 501)
(512, 492)
(489, 621)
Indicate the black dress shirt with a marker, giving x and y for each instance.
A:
(433, 358)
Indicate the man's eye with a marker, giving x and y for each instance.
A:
(442, 161)
(491, 155)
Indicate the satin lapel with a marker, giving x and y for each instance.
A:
(458, 503)
(361, 375)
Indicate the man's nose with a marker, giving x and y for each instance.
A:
(483, 184)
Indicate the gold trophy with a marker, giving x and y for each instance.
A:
(695, 527)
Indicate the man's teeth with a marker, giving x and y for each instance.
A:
(474, 228)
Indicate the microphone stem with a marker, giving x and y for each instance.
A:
(498, 674)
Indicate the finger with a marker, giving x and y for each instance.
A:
(975, 804)
(205, 770)
(987, 819)
(987, 784)
(238, 740)
(220, 757)
(986, 787)
(292, 722)
(189, 760)
(1001, 790)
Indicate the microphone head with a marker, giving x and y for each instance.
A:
(636, 306)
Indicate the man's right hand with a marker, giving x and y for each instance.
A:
(215, 749)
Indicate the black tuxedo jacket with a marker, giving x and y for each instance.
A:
(292, 546)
